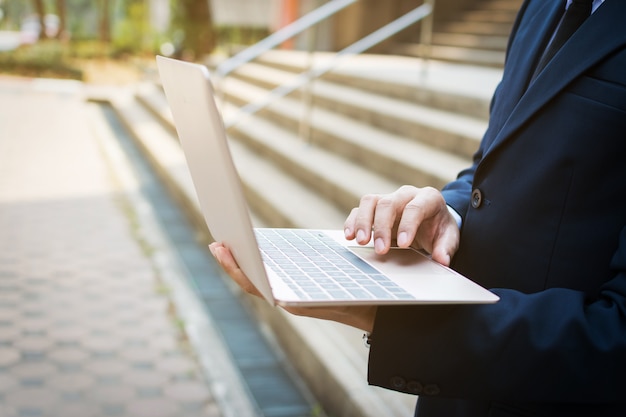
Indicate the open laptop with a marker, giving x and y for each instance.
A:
(293, 267)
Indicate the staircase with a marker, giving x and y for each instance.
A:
(377, 122)
(478, 35)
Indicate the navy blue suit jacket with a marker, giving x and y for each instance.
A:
(549, 236)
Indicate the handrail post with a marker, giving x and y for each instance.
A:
(288, 32)
(304, 129)
(310, 20)
(426, 35)
(357, 47)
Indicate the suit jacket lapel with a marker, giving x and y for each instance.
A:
(524, 50)
(530, 41)
(599, 36)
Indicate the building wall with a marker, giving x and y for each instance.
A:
(366, 16)
(347, 27)
(246, 13)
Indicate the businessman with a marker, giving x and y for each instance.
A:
(540, 218)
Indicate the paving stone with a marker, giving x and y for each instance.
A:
(9, 356)
(112, 395)
(75, 382)
(33, 344)
(30, 370)
(68, 333)
(140, 354)
(188, 392)
(7, 411)
(8, 334)
(101, 344)
(68, 355)
(106, 367)
(8, 315)
(6, 383)
(176, 365)
(82, 324)
(79, 410)
(156, 407)
(144, 378)
(32, 399)
(34, 324)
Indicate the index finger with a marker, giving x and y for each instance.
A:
(389, 210)
(359, 223)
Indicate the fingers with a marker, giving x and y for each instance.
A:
(446, 244)
(411, 216)
(388, 209)
(360, 317)
(425, 205)
(225, 258)
(359, 223)
(377, 213)
(381, 213)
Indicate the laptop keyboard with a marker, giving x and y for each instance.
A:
(316, 267)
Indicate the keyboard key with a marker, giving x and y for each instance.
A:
(321, 268)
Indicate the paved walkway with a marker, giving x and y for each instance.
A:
(85, 328)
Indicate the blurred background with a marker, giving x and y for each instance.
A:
(110, 304)
(63, 38)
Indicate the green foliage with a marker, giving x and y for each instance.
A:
(130, 33)
(192, 24)
(89, 49)
(43, 59)
(233, 38)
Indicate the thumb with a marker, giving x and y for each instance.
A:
(446, 245)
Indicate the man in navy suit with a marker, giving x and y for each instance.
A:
(540, 218)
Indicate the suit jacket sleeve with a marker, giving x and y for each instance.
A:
(552, 346)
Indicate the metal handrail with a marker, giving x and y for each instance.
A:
(401, 23)
(298, 26)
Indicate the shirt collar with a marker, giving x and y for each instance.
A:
(596, 4)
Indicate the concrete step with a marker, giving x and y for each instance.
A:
(280, 200)
(498, 43)
(338, 180)
(445, 130)
(387, 154)
(151, 96)
(478, 35)
(489, 15)
(330, 357)
(510, 5)
(457, 88)
(370, 156)
(455, 54)
(275, 199)
(477, 28)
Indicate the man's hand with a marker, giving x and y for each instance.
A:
(410, 216)
(361, 317)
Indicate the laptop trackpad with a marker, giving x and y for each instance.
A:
(400, 261)
(427, 280)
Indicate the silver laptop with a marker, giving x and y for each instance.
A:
(293, 266)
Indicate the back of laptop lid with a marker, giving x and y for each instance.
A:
(202, 135)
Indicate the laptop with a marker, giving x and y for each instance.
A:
(293, 267)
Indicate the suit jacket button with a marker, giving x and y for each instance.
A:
(431, 389)
(477, 198)
(414, 387)
(398, 383)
